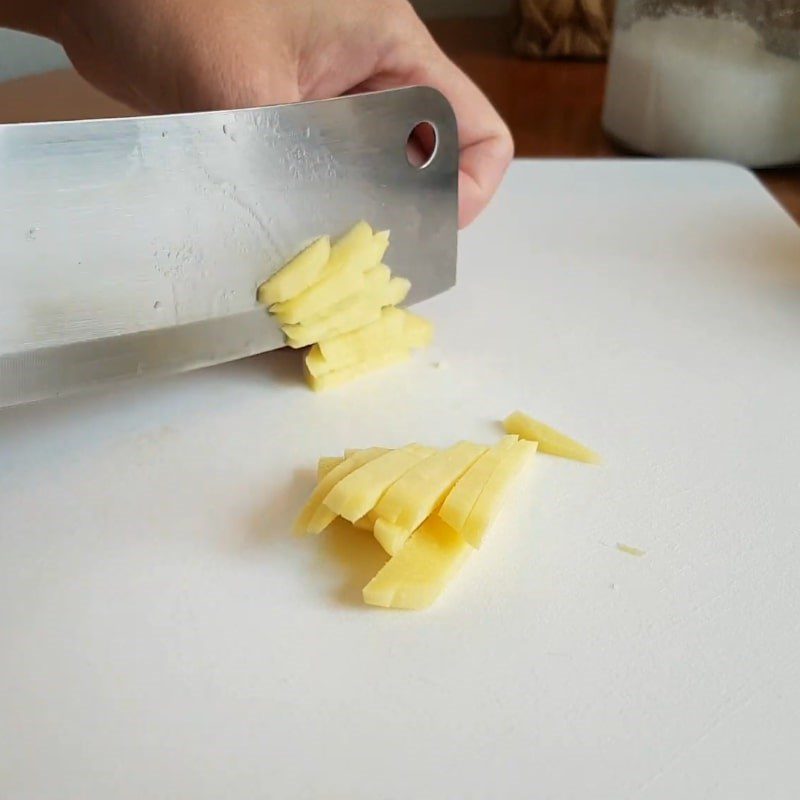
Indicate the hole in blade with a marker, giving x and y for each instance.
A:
(421, 144)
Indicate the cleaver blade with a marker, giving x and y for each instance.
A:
(135, 246)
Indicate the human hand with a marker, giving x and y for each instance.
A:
(163, 56)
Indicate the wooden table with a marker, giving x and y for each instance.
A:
(552, 107)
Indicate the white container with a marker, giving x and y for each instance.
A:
(706, 81)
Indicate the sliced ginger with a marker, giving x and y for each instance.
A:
(549, 439)
(355, 495)
(465, 493)
(329, 290)
(417, 332)
(417, 575)
(357, 246)
(297, 275)
(331, 380)
(379, 246)
(348, 348)
(490, 500)
(326, 464)
(361, 351)
(342, 276)
(394, 331)
(353, 312)
(396, 291)
(367, 522)
(328, 482)
(427, 508)
(414, 497)
(330, 293)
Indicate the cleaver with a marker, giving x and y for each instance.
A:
(135, 246)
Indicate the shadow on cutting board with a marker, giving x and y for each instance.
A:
(283, 367)
(274, 519)
(355, 554)
(351, 555)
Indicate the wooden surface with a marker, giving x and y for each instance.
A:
(552, 107)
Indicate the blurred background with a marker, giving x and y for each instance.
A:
(21, 54)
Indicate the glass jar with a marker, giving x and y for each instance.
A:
(706, 79)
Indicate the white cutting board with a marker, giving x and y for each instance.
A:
(163, 636)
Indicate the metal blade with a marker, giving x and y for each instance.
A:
(135, 246)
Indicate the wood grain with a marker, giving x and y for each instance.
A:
(552, 107)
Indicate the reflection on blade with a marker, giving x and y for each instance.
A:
(136, 245)
(55, 371)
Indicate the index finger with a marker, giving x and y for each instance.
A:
(485, 143)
